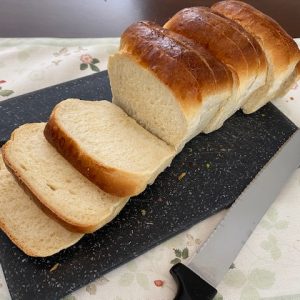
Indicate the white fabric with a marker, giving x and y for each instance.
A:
(269, 264)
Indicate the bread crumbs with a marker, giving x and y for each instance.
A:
(54, 267)
(181, 175)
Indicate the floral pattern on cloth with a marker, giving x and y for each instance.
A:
(5, 92)
(268, 266)
(88, 61)
(32, 64)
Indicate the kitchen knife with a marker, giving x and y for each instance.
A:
(205, 271)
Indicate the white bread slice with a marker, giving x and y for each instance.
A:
(55, 183)
(25, 223)
(232, 45)
(172, 86)
(280, 49)
(107, 146)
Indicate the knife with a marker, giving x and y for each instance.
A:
(205, 271)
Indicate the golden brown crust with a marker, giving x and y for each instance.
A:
(298, 70)
(222, 76)
(266, 31)
(110, 180)
(222, 37)
(185, 71)
(170, 71)
(260, 54)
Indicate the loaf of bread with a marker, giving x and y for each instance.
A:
(171, 85)
(25, 222)
(55, 183)
(232, 45)
(156, 79)
(107, 146)
(280, 49)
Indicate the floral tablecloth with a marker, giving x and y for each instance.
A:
(268, 267)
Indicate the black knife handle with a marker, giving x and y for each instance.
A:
(190, 285)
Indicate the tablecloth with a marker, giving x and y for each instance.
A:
(268, 267)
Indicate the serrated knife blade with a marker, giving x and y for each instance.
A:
(207, 268)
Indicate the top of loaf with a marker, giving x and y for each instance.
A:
(225, 39)
(282, 50)
(191, 72)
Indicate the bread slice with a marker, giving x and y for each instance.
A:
(172, 86)
(25, 223)
(232, 45)
(55, 183)
(280, 49)
(107, 146)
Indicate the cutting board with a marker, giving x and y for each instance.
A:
(218, 167)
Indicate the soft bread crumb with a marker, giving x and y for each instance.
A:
(55, 183)
(26, 224)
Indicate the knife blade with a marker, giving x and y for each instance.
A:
(207, 268)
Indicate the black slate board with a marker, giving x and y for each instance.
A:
(218, 167)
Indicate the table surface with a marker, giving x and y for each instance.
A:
(103, 18)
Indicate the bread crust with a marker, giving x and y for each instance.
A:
(168, 69)
(185, 67)
(265, 30)
(111, 180)
(222, 76)
(225, 39)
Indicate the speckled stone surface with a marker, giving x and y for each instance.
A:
(217, 168)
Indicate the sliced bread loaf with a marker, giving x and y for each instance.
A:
(280, 49)
(25, 223)
(55, 183)
(232, 45)
(168, 83)
(107, 146)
